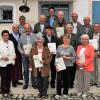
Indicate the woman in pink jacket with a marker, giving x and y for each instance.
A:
(85, 62)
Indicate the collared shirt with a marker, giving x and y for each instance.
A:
(21, 29)
(51, 21)
(75, 28)
(16, 36)
(28, 36)
(49, 38)
(96, 36)
(42, 27)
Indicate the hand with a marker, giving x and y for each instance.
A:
(5, 58)
(30, 69)
(64, 57)
(57, 69)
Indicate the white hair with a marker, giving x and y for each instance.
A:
(85, 36)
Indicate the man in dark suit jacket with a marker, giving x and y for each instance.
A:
(40, 26)
(51, 17)
(87, 27)
(50, 38)
(17, 69)
(77, 26)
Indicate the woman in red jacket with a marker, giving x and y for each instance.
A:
(85, 62)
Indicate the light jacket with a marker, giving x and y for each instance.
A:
(88, 65)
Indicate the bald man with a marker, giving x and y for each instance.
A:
(27, 38)
(40, 26)
(17, 69)
(77, 26)
(87, 27)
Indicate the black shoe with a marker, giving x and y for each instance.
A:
(19, 83)
(25, 86)
(5, 95)
(98, 85)
(71, 86)
(52, 86)
(14, 85)
(34, 86)
(10, 94)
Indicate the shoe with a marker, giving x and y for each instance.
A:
(25, 86)
(84, 95)
(92, 83)
(5, 95)
(79, 94)
(14, 85)
(57, 97)
(10, 94)
(97, 84)
(34, 86)
(19, 83)
(71, 86)
(52, 86)
(64, 96)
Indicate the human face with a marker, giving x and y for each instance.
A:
(42, 19)
(5, 37)
(22, 22)
(51, 12)
(15, 28)
(60, 15)
(66, 40)
(86, 21)
(74, 17)
(40, 44)
(69, 29)
(85, 40)
(49, 32)
(96, 28)
(27, 28)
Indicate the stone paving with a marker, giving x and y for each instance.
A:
(31, 94)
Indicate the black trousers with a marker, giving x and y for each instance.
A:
(6, 73)
(42, 84)
(53, 71)
(72, 77)
(63, 76)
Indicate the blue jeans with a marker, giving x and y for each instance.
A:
(25, 61)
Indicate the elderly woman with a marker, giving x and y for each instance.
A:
(66, 51)
(7, 60)
(84, 61)
(41, 73)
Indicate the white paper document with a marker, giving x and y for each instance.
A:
(60, 64)
(52, 47)
(60, 31)
(94, 43)
(37, 61)
(27, 48)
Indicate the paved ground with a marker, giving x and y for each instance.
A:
(31, 94)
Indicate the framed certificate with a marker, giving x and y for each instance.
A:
(60, 31)
(37, 61)
(52, 47)
(94, 43)
(60, 64)
(27, 48)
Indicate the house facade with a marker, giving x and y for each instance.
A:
(9, 10)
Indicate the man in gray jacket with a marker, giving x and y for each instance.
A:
(27, 38)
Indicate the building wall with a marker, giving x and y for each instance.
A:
(82, 7)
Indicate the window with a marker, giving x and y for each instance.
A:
(6, 14)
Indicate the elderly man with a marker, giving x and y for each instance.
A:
(51, 17)
(22, 21)
(87, 27)
(26, 40)
(77, 26)
(95, 80)
(17, 69)
(60, 22)
(40, 26)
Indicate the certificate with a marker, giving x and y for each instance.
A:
(60, 31)
(52, 47)
(39, 34)
(37, 61)
(60, 64)
(94, 43)
(27, 48)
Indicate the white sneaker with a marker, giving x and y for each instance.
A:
(79, 94)
(84, 95)
(57, 97)
(64, 96)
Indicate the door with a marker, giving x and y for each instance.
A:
(96, 12)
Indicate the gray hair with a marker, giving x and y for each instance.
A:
(69, 25)
(39, 38)
(85, 36)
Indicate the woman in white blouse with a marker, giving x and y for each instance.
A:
(7, 60)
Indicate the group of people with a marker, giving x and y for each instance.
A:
(73, 47)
